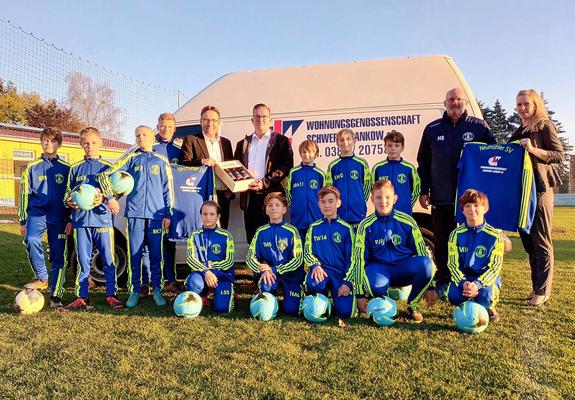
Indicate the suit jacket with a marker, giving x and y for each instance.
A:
(194, 149)
(279, 161)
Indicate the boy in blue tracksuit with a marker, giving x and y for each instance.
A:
(148, 210)
(351, 176)
(327, 255)
(302, 186)
(401, 173)
(275, 255)
(92, 228)
(390, 251)
(42, 209)
(475, 252)
(211, 258)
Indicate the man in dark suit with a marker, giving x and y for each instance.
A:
(209, 149)
(269, 156)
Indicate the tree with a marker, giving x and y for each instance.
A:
(500, 124)
(94, 105)
(52, 114)
(13, 105)
(486, 111)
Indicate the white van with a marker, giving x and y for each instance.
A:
(314, 102)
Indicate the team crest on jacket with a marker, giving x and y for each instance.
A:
(396, 239)
(401, 178)
(216, 248)
(59, 178)
(313, 184)
(354, 174)
(336, 237)
(282, 244)
(493, 161)
(468, 136)
(155, 170)
(480, 251)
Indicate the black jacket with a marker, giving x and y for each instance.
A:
(194, 149)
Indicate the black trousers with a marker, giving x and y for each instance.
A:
(443, 223)
(538, 245)
(224, 199)
(254, 215)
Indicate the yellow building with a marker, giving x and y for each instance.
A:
(19, 145)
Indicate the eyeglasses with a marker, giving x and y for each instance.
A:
(210, 121)
(263, 117)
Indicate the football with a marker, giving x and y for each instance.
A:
(85, 196)
(316, 308)
(122, 183)
(28, 301)
(264, 306)
(471, 317)
(382, 310)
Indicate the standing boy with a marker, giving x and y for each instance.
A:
(41, 209)
(401, 173)
(92, 228)
(148, 210)
(351, 176)
(302, 187)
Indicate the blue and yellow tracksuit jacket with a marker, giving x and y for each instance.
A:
(168, 149)
(405, 181)
(210, 249)
(42, 190)
(386, 239)
(278, 245)
(302, 185)
(351, 175)
(152, 196)
(330, 244)
(475, 254)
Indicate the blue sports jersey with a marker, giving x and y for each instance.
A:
(505, 174)
(210, 249)
(42, 189)
(85, 171)
(405, 181)
(192, 187)
(302, 185)
(167, 148)
(351, 176)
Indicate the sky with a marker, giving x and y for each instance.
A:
(500, 46)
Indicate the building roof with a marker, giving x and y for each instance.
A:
(27, 132)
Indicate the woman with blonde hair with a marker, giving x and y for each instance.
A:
(539, 137)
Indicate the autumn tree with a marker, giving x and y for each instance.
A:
(52, 114)
(13, 105)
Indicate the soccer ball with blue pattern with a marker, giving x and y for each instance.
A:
(264, 306)
(188, 305)
(471, 317)
(84, 196)
(316, 308)
(122, 183)
(399, 293)
(382, 310)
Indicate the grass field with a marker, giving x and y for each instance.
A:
(148, 353)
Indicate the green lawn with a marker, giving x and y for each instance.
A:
(147, 352)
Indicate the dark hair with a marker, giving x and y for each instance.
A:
(394, 137)
(210, 108)
(211, 203)
(379, 185)
(52, 134)
(475, 197)
(260, 105)
(324, 191)
(276, 195)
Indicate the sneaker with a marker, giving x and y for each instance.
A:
(206, 303)
(133, 300)
(493, 314)
(114, 302)
(415, 315)
(144, 291)
(56, 304)
(172, 287)
(37, 284)
(158, 298)
(79, 304)
(430, 297)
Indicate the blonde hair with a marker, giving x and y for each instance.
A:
(90, 130)
(345, 130)
(308, 144)
(540, 115)
(166, 117)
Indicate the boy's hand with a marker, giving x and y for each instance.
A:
(23, 230)
(71, 204)
(344, 290)
(318, 274)
(68, 230)
(211, 279)
(166, 223)
(424, 201)
(265, 267)
(470, 290)
(269, 277)
(114, 206)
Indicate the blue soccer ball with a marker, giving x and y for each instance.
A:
(382, 310)
(264, 306)
(316, 308)
(122, 183)
(471, 317)
(399, 293)
(84, 196)
(188, 305)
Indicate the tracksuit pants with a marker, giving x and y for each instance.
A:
(291, 284)
(144, 232)
(344, 306)
(223, 292)
(488, 295)
(443, 223)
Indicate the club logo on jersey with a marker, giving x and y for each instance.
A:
(468, 136)
(282, 244)
(480, 251)
(396, 239)
(336, 237)
(313, 184)
(354, 174)
(155, 170)
(59, 178)
(216, 248)
(191, 181)
(493, 161)
(81, 178)
(401, 178)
